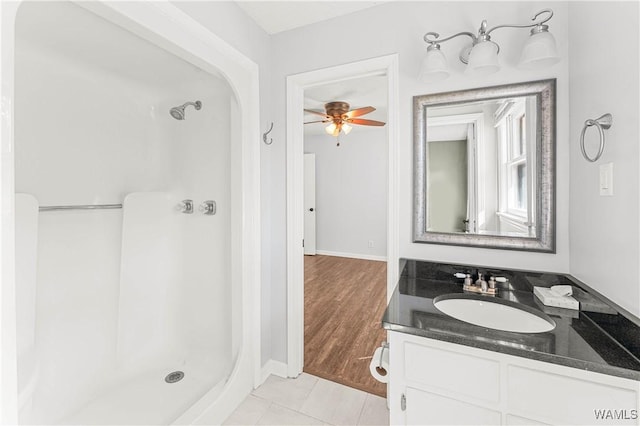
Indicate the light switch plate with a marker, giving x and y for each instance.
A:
(606, 179)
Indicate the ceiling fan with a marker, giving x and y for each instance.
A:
(338, 114)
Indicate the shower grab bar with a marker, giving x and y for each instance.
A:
(81, 207)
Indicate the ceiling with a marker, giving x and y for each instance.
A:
(277, 16)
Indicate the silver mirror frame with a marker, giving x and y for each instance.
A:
(545, 241)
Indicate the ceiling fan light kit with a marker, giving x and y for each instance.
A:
(481, 56)
(340, 118)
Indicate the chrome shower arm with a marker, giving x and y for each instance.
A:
(196, 104)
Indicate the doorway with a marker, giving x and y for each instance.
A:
(296, 86)
(345, 199)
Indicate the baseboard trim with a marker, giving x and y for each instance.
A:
(276, 368)
(352, 255)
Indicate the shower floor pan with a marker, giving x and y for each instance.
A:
(149, 399)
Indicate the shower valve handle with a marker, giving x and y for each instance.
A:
(186, 206)
(208, 207)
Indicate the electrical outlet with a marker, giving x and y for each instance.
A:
(370, 244)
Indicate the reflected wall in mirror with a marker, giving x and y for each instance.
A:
(484, 167)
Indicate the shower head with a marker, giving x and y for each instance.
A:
(178, 112)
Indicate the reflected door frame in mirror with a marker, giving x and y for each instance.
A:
(544, 159)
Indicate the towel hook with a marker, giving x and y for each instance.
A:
(264, 135)
(603, 122)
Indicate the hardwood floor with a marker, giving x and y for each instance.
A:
(344, 303)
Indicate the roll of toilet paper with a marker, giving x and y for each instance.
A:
(379, 366)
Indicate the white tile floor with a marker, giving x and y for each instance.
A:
(309, 400)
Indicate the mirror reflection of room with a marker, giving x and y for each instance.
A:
(480, 167)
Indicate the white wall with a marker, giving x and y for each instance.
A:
(351, 192)
(604, 74)
(398, 27)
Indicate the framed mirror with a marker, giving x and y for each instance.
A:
(484, 167)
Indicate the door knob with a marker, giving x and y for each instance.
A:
(311, 209)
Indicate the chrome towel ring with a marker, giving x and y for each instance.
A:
(601, 123)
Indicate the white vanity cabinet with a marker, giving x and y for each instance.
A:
(439, 383)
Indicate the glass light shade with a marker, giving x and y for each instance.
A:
(330, 128)
(540, 51)
(434, 66)
(483, 59)
(346, 128)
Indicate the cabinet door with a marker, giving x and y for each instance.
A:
(425, 408)
(465, 375)
(560, 399)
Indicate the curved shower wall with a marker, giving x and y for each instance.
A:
(120, 298)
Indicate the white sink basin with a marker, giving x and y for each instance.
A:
(498, 314)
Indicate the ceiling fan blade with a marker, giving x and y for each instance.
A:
(365, 122)
(311, 111)
(319, 121)
(360, 111)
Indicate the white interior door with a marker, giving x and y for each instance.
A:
(309, 204)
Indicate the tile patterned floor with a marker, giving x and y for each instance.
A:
(309, 400)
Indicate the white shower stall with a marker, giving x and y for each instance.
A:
(135, 231)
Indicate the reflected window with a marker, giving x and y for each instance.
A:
(515, 206)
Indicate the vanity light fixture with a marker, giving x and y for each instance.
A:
(481, 56)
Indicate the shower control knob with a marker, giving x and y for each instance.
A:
(208, 207)
(186, 206)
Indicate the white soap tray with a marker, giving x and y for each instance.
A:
(556, 296)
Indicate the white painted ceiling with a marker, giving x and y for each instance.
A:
(278, 16)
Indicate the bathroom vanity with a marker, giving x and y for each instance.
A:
(586, 370)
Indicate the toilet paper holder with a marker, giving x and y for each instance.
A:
(379, 364)
(379, 367)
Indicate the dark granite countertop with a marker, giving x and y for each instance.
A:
(597, 338)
